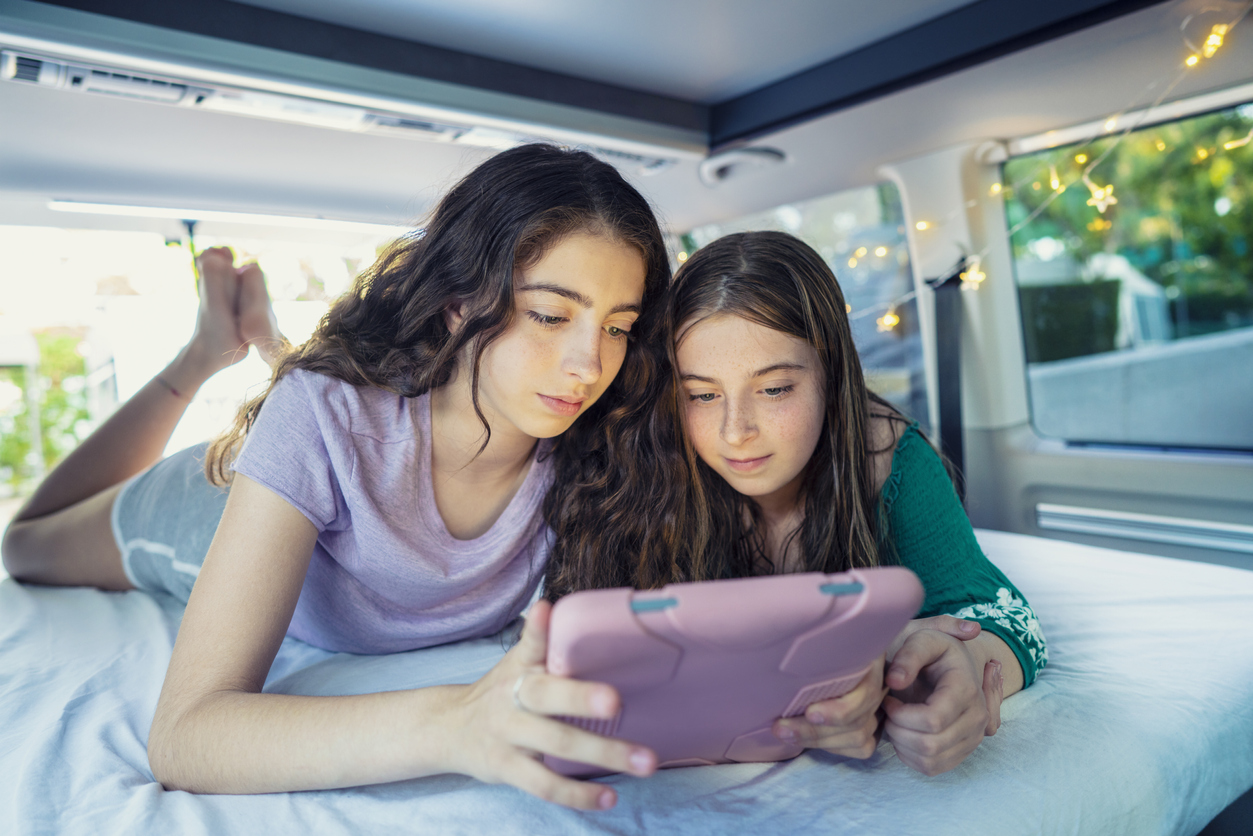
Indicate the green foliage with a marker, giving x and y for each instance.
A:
(1184, 215)
(63, 413)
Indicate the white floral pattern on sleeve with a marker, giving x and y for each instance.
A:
(1015, 615)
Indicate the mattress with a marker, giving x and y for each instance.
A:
(1142, 723)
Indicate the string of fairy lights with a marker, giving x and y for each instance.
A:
(1101, 197)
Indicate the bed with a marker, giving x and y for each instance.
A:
(1141, 724)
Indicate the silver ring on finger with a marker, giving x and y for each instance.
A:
(517, 694)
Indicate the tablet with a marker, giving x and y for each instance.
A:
(704, 669)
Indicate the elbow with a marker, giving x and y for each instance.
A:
(162, 757)
(15, 550)
(168, 754)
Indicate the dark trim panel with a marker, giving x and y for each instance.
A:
(303, 36)
(971, 35)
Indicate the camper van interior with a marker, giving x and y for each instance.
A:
(1041, 218)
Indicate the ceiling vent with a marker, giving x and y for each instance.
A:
(721, 167)
(57, 73)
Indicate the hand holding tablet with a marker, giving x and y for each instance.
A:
(705, 669)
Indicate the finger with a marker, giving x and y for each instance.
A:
(562, 740)
(993, 694)
(533, 777)
(958, 628)
(850, 741)
(953, 696)
(532, 647)
(919, 650)
(932, 754)
(543, 693)
(849, 708)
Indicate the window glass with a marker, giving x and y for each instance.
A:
(1135, 280)
(861, 235)
(87, 317)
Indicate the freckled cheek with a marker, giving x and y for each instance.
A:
(702, 430)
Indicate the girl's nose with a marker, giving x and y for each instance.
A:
(739, 424)
(582, 358)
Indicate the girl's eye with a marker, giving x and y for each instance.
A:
(545, 320)
(703, 397)
(777, 391)
(616, 332)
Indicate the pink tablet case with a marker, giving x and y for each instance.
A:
(704, 669)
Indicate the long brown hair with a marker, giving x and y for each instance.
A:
(389, 330)
(691, 524)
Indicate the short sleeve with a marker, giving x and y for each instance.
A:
(927, 531)
(287, 448)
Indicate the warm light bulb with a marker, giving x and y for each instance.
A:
(1215, 40)
(1081, 158)
(922, 225)
(1239, 143)
(880, 251)
(848, 308)
(1111, 123)
(861, 252)
(996, 188)
(1192, 61)
(1054, 181)
(1161, 146)
(852, 262)
(1201, 153)
(1102, 196)
(682, 257)
(888, 321)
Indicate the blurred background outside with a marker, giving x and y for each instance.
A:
(1138, 314)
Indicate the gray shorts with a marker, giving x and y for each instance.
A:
(163, 521)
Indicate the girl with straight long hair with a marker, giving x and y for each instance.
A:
(795, 466)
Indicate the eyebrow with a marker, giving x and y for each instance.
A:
(578, 298)
(777, 367)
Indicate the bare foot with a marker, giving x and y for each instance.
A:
(257, 324)
(217, 340)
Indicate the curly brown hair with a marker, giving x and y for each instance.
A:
(389, 330)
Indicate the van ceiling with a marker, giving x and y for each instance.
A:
(841, 87)
(703, 51)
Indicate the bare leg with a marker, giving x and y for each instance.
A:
(63, 534)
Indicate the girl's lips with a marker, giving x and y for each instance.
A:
(561, 407)
(745, 465)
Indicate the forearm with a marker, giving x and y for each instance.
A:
(239, 742)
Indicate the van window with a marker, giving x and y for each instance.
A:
(88, 316)
(1135, 281)
(860, 233)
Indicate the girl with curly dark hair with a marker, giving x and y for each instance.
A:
(385, 490)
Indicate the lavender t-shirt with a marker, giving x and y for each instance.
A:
(386, 575)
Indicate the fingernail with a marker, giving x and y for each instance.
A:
(896, 671)
(816, 718)
(968, 627)
(605, 800)
(641, 762)
(786, 733)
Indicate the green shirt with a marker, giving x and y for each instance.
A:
(927, 531)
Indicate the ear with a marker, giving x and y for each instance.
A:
(453, 316)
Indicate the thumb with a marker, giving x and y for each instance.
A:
(994, 694)
(532, 648)
(958, 628)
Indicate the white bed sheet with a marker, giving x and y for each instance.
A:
(1141, 724)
